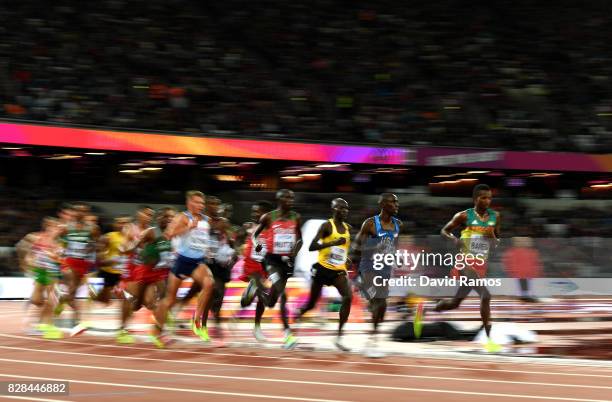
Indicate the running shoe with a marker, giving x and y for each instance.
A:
(338, 343)
(249, 293)
(492, 347)
(418, 319)
(200, 332)
(79, 328)
(258, 334)
(372, 350)
(290, 340)
(203, 334)
(52, 332)
(42, 327)
(158, 341)
(124, 337)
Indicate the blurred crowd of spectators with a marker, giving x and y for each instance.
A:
(508, 74)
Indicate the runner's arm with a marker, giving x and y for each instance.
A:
(101, 247)
(179, 225)
(264, 223)
(147, 237)
(364, 232)
(298, 233)
(324, 231)
(349, 261)
(28, 261)
(459, 219)
(497, 230)
(130, 244)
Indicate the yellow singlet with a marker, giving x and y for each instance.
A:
(335, 257)
(112, 253)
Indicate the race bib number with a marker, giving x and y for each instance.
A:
(258, 256)
(283, 243)
(166, 260)
(200, 237)
(337, 256)
(77, 250)
(479, 245)
(77, 245)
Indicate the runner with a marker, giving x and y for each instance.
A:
(221, 257)
(480, 234)
(44, 258)
(112, 262)
(192, 229)
(92, 220)
(158, 257)
(80, 241)
(30, 257)
(151, 269)
(254, 271)
(227, 211)
(332, 241)
(67, 217)
(378, 235)
(22, 248)
(136, 236)
(283, 242)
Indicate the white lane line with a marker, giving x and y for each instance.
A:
(188, 390)
(30, 398)
(361, 373)
(353, 386)
(329, 361)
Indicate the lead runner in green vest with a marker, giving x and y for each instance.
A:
(480, 235)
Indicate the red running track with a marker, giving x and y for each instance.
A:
(100, 370)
